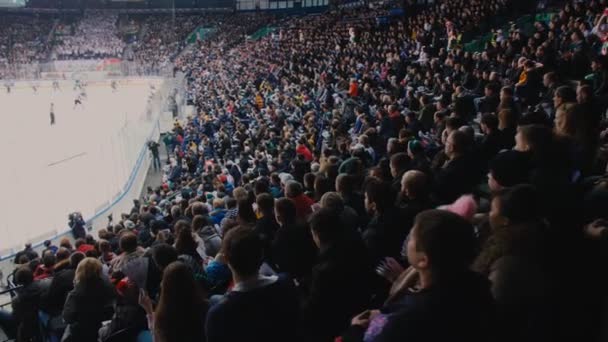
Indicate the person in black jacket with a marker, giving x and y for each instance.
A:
(258, 308)
(438, 298)
(266, 226)
(89, 304)
(400, 162)
(492, 141)
(384, 234)
(292, 250)
(28, 251)
(459, 174)
(61, 284)
(22, 323)
(341, 280)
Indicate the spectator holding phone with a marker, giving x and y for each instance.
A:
(181, 310)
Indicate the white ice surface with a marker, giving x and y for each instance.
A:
(79, 163)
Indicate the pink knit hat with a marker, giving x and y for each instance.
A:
(465, 206)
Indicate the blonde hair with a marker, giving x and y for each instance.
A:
(88, 269)
(240, 194)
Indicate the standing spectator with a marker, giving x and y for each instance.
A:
(292, 249)
(258, 308)
(341, 280)
(153, 147)
(182, 308)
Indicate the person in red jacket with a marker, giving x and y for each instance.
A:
(45, 269)
(353, 89)
(303, 150)
(294, 191)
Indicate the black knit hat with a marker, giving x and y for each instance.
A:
(510, 168)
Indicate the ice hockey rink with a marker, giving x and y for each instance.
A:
(77, 164)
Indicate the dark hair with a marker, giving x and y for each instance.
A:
(184, 242)
(326, 224)
(490, 120)
(447, 239)
(552, 76)
(48, 258)
(460, 141)
(265, 203)
(261, 186)
(519, 204)
(566, 93)
(400, 161)
(198, 208)
(198, 222)
(378, 192)
(24, 276)
(309, 180)
(454, 123)
(286, 209)
(322, 185)
(245, 214)
(507, 90)
(163, 254)
(510, 168)
(79, 242)
(181, 308)
(128, 242)
(76, 258)
(231, 203)
(243, 250)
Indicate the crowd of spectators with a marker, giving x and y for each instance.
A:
(361, 179)
(95, 36)
(23, 40)
(164, 37)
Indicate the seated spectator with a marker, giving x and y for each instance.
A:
(258, 307)
(514, 258)
(45, 270)
(22, 323)
(413, 198)
(185, 244)
(211, 238)
(399, 164)
(61, 285)
(348, 216)
(384, 233)
(492, 141)
(246, 216)
(438, 298)
(266, 225)
(419, 160)
(130, 251)
(129, 317)
(88, 304)
(459, 173)
(508, 169)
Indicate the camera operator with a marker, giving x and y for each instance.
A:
(153, 147)
(76, 223)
